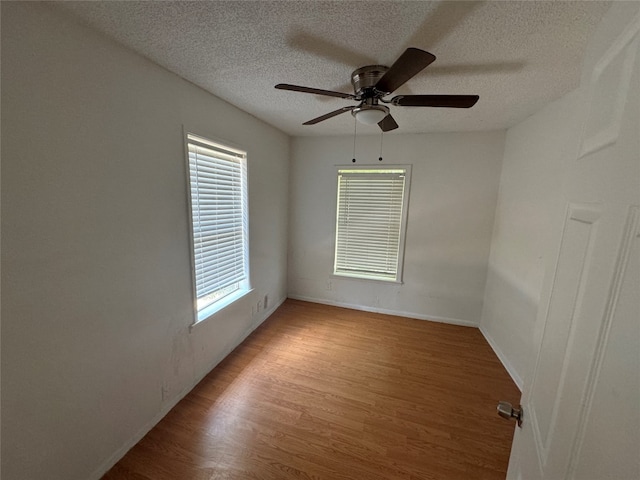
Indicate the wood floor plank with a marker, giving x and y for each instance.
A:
(327, 393)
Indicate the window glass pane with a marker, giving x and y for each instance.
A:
(218, 193)
(369, 223)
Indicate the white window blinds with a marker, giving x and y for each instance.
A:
(218, 179)
(370, 222)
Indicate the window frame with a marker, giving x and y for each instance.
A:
(245, 284)
(403, 223)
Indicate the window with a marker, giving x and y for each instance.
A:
(218, 199)
(370, 222)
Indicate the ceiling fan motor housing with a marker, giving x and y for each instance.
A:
(365, 78)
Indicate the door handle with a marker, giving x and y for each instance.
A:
(506, 410)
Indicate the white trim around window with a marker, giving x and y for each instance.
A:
(371, 221)
(218, 208)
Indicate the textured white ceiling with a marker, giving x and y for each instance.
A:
(517, 56)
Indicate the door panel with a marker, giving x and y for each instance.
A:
(609, 439)
(558, 336)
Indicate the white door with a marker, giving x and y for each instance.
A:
(581, 401)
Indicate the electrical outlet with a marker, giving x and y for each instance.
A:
(329, 286)
(266, 301)
(259, 305)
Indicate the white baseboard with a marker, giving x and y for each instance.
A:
(121, 452)
(399, 313)
(517, 379)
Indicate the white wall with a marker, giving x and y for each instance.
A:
(529, 205)
(96, 297)
(454, 189)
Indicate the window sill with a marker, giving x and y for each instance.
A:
(220, 305)
(363, 277)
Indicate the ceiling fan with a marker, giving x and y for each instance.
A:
(374, 82)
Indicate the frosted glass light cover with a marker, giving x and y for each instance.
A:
(370, 116)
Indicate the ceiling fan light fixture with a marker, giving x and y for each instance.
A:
(370, 114)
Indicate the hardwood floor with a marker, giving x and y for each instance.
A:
(319, 392)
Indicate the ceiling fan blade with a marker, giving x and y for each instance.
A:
(326, 116)
(316, 91)
(411, 62)
(450, 101)
(387, 123)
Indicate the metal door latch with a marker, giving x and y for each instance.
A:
(506, 410)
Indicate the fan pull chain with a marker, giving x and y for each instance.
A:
(355, 126)
(380, 157)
